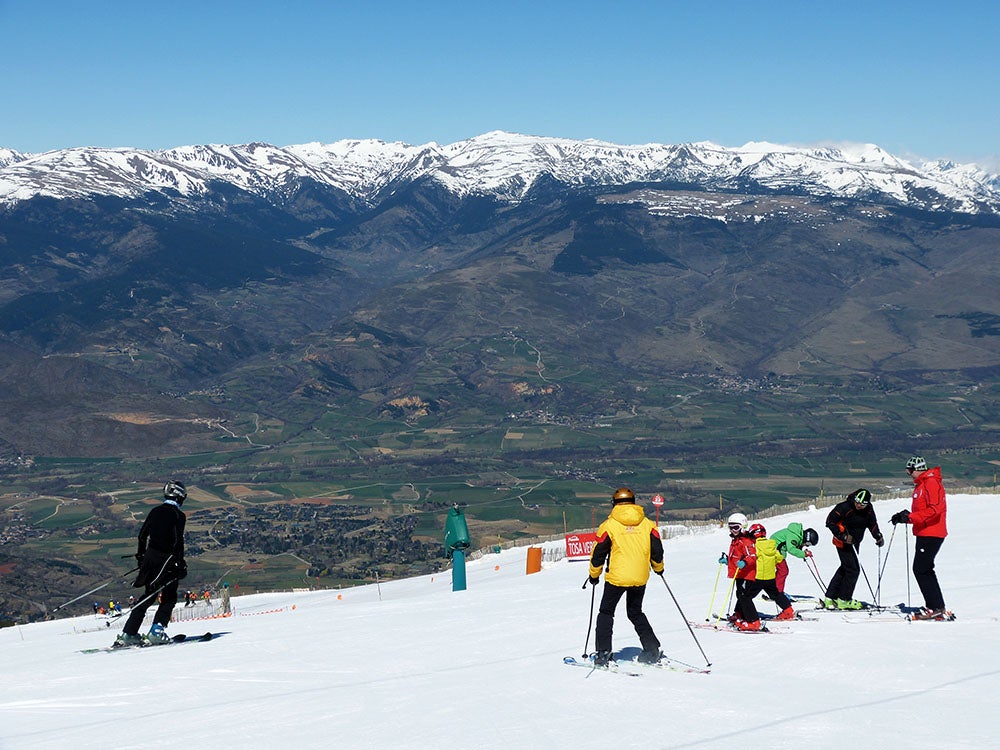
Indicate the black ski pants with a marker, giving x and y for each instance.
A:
(769, 587)
(842, 584)
(156, 569)
(167, 597)
(745, 609)
(923, 570)
(633, 608)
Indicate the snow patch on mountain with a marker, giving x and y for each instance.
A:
(498, 164)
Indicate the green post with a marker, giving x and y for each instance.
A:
(456, 541)
(458, 570)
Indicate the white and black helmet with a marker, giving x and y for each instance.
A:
(916, 463)
(174, 490)
(738, 519)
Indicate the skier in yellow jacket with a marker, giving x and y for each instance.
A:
(768, 558)
(628, 545)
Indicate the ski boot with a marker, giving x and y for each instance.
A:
(829, 603)
(650, 657)
(786, 614)
(157, 635)
(747, 627)
(602, 658)
(848, 604)
(127, 640)
(930, 614)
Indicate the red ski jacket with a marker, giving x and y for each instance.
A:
(929, 508)
(743, 548)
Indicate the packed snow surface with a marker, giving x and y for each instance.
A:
(412, 664)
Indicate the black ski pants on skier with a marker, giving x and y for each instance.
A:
(842, 584)
(923, 570)
(167, 597)
(633, 608)
(156, 569)
(769, 587)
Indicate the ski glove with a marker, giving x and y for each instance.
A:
(847, 538)
(902, 517)
(808, 552)
(723, 559)
(741, 564)
(594, 581)
(180, 569)
(138, 559)
(879, 540)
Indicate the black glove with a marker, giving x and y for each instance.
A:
(660, 572)
(847, 538)
(138, 558)
(180, 569)
(593, 581)
(879, 540)
(902, 517)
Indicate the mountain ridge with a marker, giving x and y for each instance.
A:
(494, 276)
(498, 164)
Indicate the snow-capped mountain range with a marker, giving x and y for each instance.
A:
(499, 164)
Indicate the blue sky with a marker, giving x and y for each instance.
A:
(917, 78)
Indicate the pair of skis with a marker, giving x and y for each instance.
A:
(179, 638)
(624, 662)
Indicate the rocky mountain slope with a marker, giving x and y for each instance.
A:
(171, 290)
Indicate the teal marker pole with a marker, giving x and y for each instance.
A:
(456, 541)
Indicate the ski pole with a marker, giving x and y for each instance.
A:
(870, 590)
(888, 548)
(881, 564)
(814, 571)
(690, 629)
(716, 586)
(94, 590)
(729, 598)
(590, 619)
(878, 581)
(142, 601)
(907, 537)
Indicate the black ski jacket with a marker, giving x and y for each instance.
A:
(161, 544)
(845, 518)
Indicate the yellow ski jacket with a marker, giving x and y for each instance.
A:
(768, 558)
(630, 545)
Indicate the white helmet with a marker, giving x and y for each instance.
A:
(738, 519)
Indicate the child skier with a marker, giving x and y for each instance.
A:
(792, 540)
(768, 558)
(742, 565)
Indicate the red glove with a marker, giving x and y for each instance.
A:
(808, 553)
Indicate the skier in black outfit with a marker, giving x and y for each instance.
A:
(848, 521)
(160, 555)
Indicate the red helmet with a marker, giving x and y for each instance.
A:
(757, 531)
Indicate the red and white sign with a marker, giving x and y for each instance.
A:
(580, 546)
(657, 500)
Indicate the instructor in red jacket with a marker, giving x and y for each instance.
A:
(927, 515)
